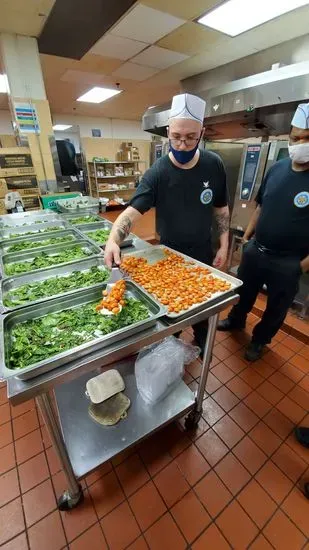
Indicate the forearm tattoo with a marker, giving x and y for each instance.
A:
(123, 227)
(223, 222)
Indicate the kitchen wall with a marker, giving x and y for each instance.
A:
(110, 128)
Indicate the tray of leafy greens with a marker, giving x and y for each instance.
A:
(99, 233)
(29, 242)
(23, 262)
(45, 284)
(9, 220)
(41, 337)
(81, 219)
(14, 232)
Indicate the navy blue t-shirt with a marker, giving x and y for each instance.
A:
(283, 224)
(184, 199)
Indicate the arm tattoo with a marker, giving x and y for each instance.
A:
(124, 227)
(223, 222)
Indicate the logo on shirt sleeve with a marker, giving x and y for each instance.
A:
(302, 199)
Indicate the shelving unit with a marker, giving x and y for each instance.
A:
(122, 185)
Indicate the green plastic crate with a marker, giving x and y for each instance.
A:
(48, 201)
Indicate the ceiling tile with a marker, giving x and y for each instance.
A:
(191, 38)
(98, 64)
(81, 76)
(134, 71)
(118, 47)
(159, 58)
(146, 24)
(181, 8)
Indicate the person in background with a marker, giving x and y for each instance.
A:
(187, 187)
(278, 253)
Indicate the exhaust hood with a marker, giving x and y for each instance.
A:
(258, 105)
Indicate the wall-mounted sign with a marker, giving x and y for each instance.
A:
(96, 132)
(27, 118)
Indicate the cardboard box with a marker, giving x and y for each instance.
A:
(22, 182)
(7, 140)
(2, 208)
(32, 202)
(3, 188)
(29, 191)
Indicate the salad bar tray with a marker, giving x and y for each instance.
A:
(37, 286)
(99, 233)
(35, 242)
(82, 219)
(13, 232)
(65, 320)
(9, 220)
(18, 263)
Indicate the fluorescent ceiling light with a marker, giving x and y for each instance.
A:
(61, 127)
(237, 16)
(3, 84)
(98, 94)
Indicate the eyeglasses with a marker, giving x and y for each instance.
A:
(189, 142)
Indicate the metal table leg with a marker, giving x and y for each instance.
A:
(195, 415)
(74, 495)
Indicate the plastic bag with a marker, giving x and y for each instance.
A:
(158, 368)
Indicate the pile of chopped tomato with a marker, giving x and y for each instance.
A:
(177, 283)
(114, 299)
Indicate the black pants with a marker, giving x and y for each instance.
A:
(281, 276)
(202, 254)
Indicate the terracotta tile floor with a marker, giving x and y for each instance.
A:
(234, 483)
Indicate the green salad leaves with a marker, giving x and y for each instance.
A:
(24, 245)
(42, 260)
(39, 339)
(83, 219)
(99, 236)
(55, 285)
(47, 230)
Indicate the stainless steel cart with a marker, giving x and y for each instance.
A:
(81, 444)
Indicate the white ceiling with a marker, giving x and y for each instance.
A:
(149, 51)
(146, 24)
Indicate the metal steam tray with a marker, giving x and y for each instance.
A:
(9, 220)
(76, 236)
(9, 321)
(22, 215)
(156, 253)
(89, 228)
(12, 283)
(17, 257)
(37, 228)
(70, 217)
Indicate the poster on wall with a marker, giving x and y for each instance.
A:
(96, 132)
(27, 118)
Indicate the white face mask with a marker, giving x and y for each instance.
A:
(299, 153)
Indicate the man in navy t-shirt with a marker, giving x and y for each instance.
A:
(278, 253)
(188, 189)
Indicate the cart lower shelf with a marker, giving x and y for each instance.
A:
(89, 444)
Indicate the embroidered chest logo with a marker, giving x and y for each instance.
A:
(206, 194)
(302, 199)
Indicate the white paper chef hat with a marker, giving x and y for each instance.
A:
(188, 106)
(301, 117)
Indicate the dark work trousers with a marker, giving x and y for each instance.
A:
(281, 276)
(203, 254)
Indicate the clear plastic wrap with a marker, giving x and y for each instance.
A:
(159, 367)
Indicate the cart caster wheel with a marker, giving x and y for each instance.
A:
(192, 420)
(66, 502)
